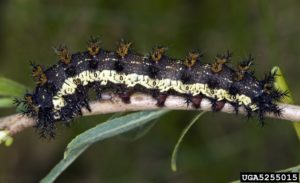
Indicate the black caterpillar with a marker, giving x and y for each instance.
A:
(62, 89)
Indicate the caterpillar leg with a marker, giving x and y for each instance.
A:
(217, 105)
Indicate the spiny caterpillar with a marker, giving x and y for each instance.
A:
(62, 89)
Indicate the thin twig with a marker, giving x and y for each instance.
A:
(111, 104)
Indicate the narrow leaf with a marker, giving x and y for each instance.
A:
(5, 138)
(282, 85)
(292, 169)
(10, 88)
(183, 133)
(138, 132)
(62, 165)
(112, 128)
(6, 102)
(102, 131)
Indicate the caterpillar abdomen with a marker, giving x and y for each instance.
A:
(62, 89)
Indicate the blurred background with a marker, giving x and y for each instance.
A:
(217, 148)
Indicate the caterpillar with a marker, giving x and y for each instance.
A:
(62, 89)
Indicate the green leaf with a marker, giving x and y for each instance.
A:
(6, 102)
(183, 133)
(6, 138)
(112, 128)
(10, 88)
(102, 131)
(281, 84)
(138, 132)
(292, 169)
(62, 165)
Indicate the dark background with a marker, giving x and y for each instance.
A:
(217, 148)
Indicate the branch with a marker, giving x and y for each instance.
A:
(139, 102)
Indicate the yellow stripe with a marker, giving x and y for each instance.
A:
(130, 80)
